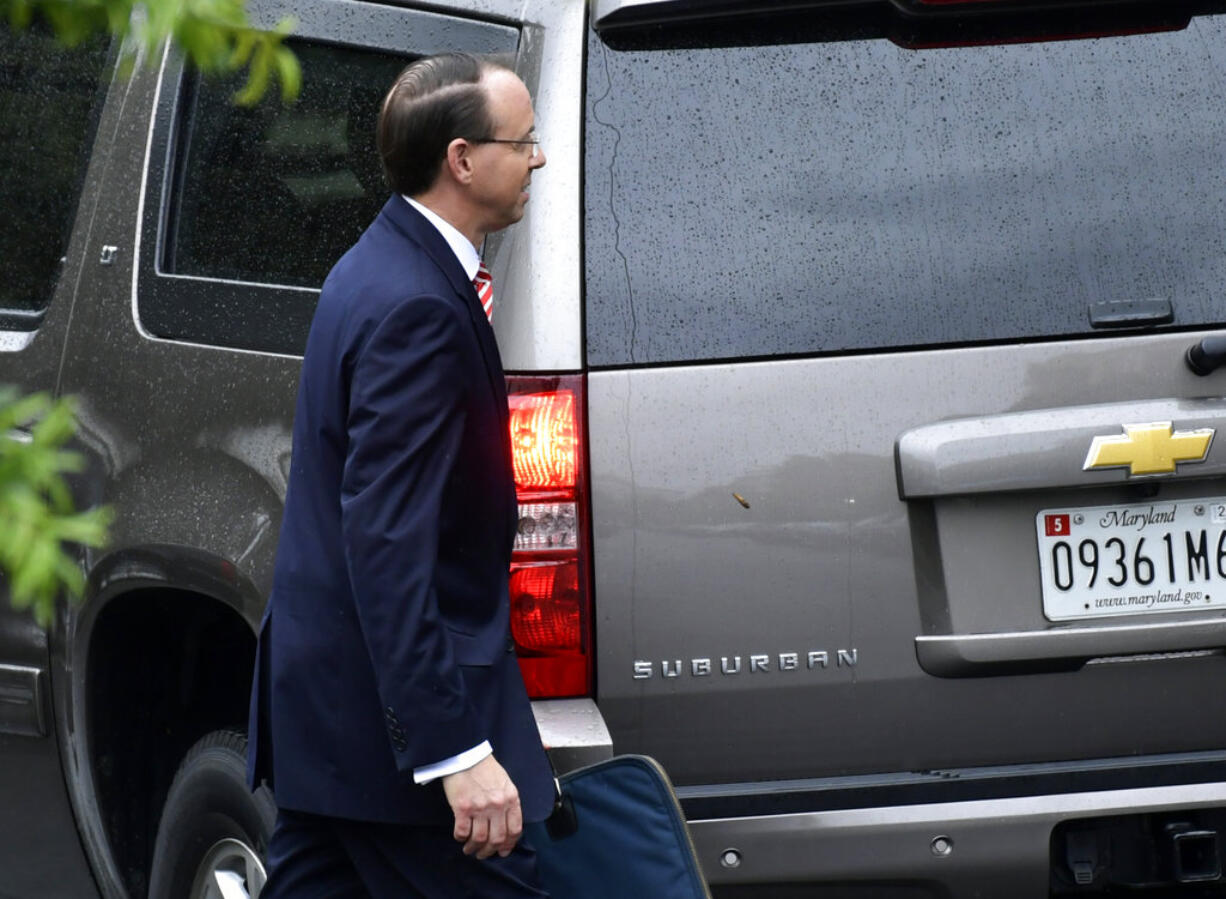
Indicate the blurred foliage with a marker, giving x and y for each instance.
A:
(215, 35)
(37, 519)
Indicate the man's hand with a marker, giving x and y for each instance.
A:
(488, 818)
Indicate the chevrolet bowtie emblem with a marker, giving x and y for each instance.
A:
(1152, 448)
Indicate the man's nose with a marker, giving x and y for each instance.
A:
(539, 159)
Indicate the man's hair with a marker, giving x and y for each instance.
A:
(432, 102)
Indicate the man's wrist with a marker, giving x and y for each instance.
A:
(424, 774)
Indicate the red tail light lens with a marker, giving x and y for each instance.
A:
(550, 592)
(544, 441)
(548, 624)
(545, 613)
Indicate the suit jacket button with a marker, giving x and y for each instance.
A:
(510, 644)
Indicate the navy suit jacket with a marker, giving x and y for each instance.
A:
(386, 644)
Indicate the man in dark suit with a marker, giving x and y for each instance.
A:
(388, 712)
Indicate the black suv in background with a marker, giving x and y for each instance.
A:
(863, 479)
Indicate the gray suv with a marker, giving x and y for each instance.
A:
(864, 479)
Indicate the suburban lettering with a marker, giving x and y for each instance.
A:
(790, 661)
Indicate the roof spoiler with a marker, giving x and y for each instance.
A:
(616, 15)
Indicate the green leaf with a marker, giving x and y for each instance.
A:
(39, 528)
(118, 18)
(87, 528)
(20, 536)
(242, 50)
(290, 74)
(257, 75)
(36, 570)
(25, 410)
(44, 610)
(70, 577)
(20, 601)
(20, 14)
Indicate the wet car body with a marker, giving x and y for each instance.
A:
(850, 298)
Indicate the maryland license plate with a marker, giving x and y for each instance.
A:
(1130, 560)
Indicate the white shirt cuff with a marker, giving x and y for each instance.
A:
(453, 765)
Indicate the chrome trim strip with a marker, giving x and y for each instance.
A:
(21, 701)
(16, 341)
(970, 655)
(144, 194)
(604, 8)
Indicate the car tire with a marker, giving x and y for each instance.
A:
(214, 832)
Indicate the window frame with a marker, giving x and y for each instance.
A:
(251, 315)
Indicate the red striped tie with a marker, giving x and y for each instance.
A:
(485, 290)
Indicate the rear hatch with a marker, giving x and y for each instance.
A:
(898, 470)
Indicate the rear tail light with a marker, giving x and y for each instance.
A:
(544, 440)
(551, 618)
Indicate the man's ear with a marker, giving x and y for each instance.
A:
(459, 163)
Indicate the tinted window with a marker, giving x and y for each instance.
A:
(852, 194)
(49, 97)
(276, 193)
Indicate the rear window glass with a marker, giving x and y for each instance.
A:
(754, 201)
(49, 99)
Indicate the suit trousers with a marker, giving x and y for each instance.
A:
(318, 857)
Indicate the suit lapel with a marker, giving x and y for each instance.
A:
(415, 226)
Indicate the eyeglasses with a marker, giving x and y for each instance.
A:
(533, 143)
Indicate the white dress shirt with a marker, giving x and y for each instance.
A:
(470, 259)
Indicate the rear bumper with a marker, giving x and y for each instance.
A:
(999, 848)
(573, 731)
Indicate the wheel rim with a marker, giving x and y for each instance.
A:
(229, 870)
